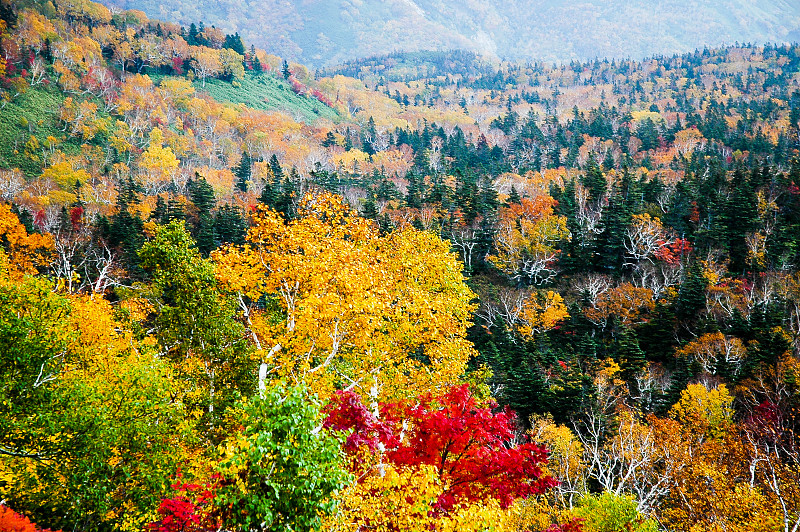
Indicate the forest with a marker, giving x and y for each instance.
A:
(421, 291)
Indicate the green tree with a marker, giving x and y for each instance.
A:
(243, 172)
(230, 226)
(279, 473)
(628, 354)
(692, 294)
(125, 231)
(193, 320)
(594, 180)
(739, 218)
(610, 242)
(608, 512)
(90, 427)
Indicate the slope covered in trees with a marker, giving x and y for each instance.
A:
(421, 292)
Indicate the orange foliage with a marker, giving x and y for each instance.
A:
(11, 521)
(625, 302)
(25, 252)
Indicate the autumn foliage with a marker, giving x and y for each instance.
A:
(608, 248)
(11, 521)
(191, 509)
(468, 444)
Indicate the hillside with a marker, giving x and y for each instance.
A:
(418, 291)
(324, 33)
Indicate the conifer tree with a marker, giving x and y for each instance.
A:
(330, 140)
(126, 231)
(285, 202)
(739, 218)
(230, 225)
(243, 172)
(594, 180)
(692, 294)
(275, 166)
(610, 242)
(416, 190)
(629, 355)
(370, 209)
(202, 195)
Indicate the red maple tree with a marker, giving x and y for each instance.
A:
(470, 444)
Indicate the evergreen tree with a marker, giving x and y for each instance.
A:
(234, 42)
(329, 141)
(254, 61)
(692, 294)
(125, 230)
(326, 180)
(230, 226)
(206, 239)
(348, 140)
(160, 213)
(608, 162)
(202, 195)
(386, 190)
(370, 209)
(579, 249)
(25, 217)
(648, 134)
(657, 336)
(439, 192)
(275, 167)
(594, 180)
(611, 241)
(285, 203)
(467, 194)
(369, 135)
(488, 202)
(680, 379)
(628, 354)
(785, 249)
(175, 210)
(739, 218)
(191, 38)
(243, 172)
(270, 193)
(416, 190)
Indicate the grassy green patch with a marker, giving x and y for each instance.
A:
(268, 93)
(34, 113)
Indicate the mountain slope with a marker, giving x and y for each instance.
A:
(326, 32)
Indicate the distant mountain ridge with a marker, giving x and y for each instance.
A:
(326, 32)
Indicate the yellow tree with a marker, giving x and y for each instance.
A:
(91, 429)
(714, 351)
(542, 312)
(158, 164)
(206, 62)
(526, 240)
(399, 499)
(230, 63)
(715, 487)
(347, 308)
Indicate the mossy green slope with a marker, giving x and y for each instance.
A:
(268, 93)
(34, 113)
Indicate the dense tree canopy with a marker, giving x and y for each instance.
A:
(236, 295)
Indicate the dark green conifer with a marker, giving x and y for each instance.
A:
(243, 172)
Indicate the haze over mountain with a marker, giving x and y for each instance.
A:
(326, 32)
